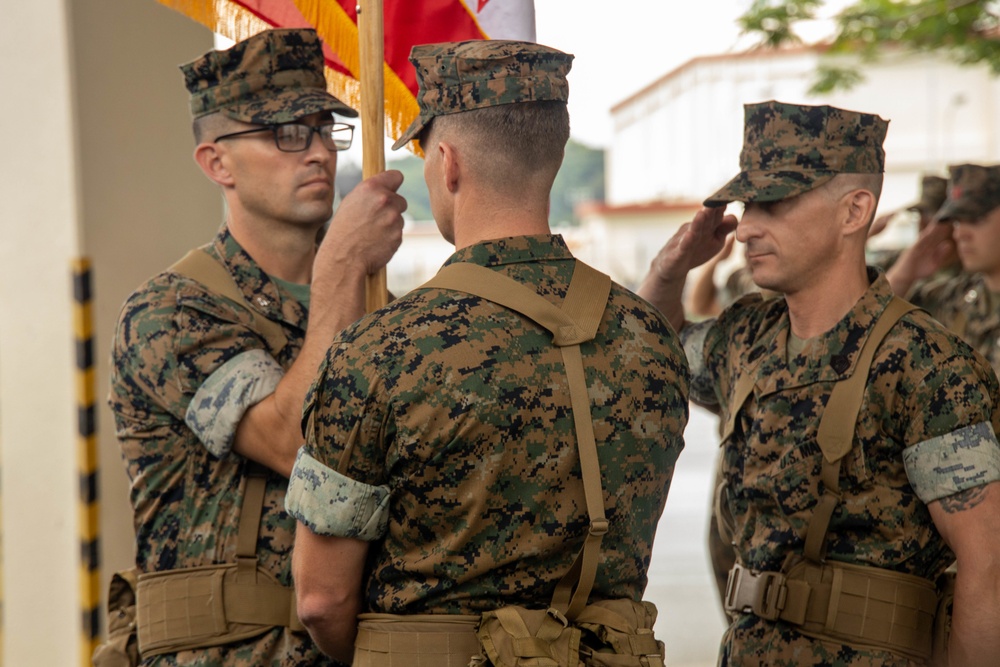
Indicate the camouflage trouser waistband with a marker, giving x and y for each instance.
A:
(441, 640)
(864, 607)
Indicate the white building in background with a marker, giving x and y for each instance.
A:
(680, 137)
(678, 140)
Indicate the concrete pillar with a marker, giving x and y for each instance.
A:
(97, 162)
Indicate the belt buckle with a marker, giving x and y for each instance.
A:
(761, 594)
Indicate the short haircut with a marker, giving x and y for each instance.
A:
(508, 143)
(841, 184)
(207, 128)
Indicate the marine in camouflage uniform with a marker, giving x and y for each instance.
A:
(440, 438)
(196, 390)
(740, 282)
(933, 192)
(924, 458)
(969, 303)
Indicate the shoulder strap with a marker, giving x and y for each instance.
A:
(576, 322)
(205, 269)
(839, 423)
(198, 265)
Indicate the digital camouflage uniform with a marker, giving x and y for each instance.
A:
(187, 364)
(928, 408)
(179, 347)
(928, 392)
(740, 282)
(963, 302)
(440, 429)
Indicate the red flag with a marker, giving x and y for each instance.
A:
(407, 23)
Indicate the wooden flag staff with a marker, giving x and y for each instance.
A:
(371, 49)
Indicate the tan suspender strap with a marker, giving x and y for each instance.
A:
(249, 528)
(744, 386)
(838, 425)
(578, 321)
(836, 430)
(198, 265)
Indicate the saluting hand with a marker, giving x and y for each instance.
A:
(695, 243)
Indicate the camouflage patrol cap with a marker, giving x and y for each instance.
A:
(973, 191)
(933, 192)
(274, 77)
(461, 76)
(789, 149)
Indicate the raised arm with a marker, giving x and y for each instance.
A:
(695, 243)
(933, 250)
(362, 237)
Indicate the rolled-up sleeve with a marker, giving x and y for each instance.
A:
(953, 462)
(330, 504)
(220, 402)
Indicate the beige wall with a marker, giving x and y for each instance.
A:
(96, 160)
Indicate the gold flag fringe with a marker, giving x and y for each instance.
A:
(237, 23)
(339, 31)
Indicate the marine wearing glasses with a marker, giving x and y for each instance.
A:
(297, 137)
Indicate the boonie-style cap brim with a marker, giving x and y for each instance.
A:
(766, 186)
(287, 107)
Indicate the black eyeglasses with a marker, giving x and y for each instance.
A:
(296, 137)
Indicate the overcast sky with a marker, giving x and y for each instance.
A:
(623, 45)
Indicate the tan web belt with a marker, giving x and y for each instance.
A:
(417, 640)
(856, 605)
(178, 610)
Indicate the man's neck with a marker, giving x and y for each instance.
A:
(819, 307)
(992, 281)
(476, 222)
(281, 250)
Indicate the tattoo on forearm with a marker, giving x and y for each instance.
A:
(963, 500)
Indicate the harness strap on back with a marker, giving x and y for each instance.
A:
(576, 322)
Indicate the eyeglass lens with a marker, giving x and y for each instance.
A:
(297, 137)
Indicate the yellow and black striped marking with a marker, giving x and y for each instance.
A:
(90, 565)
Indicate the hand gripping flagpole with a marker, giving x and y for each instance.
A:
(371, 49)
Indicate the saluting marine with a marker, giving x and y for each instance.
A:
(968, 303)
(859, 451)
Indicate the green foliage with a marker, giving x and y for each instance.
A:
(968, 31)
(580, 179)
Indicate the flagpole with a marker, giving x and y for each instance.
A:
(371, 49)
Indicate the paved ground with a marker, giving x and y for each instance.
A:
(690, 620)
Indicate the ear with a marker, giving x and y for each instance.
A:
(452, 163)
(211, 158)
(859, 209)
